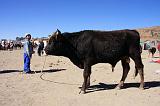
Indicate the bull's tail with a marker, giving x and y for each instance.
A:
(113, 66)
(135, 73)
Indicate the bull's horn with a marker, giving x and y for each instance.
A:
(58, 32)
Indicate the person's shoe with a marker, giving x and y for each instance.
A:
(29, 72)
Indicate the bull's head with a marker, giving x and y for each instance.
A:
(59, 45)
(55, 44)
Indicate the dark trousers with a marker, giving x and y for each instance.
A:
(40, 51)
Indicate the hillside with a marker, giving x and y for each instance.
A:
(149, 33)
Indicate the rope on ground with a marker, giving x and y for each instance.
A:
(57, 82)
(41, 76)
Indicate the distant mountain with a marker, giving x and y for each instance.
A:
(149, 33)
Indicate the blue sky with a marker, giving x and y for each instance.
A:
(42, 17)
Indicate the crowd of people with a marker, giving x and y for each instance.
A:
(10, 45)
(13, 45)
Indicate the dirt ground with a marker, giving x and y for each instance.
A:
(60, 83)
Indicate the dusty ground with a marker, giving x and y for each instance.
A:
(59, 84)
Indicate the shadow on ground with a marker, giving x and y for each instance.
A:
(33, 72)
(103, 86)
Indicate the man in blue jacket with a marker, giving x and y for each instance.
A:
(28, 51)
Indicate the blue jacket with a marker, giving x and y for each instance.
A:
(28, 48)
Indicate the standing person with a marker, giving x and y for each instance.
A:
(40, 47)
(152, 49)
(158, 47)
(28, 51)
(11, 45)
(3, 45)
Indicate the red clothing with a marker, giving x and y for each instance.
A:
(156, 61)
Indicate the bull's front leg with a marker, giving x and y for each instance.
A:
(86, 76)
(126, 68)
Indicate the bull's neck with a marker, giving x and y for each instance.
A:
(73, 43)
(73, 53)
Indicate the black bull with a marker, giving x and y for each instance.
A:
(87, 48)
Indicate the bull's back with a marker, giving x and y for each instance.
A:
(111, 45)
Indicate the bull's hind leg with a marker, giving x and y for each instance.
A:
(140, 71)
(139, 66)
(86, 76)
(88, 82)
(126, 68)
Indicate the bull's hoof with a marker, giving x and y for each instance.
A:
(118, 88)
(82, 92)
(141, 88)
